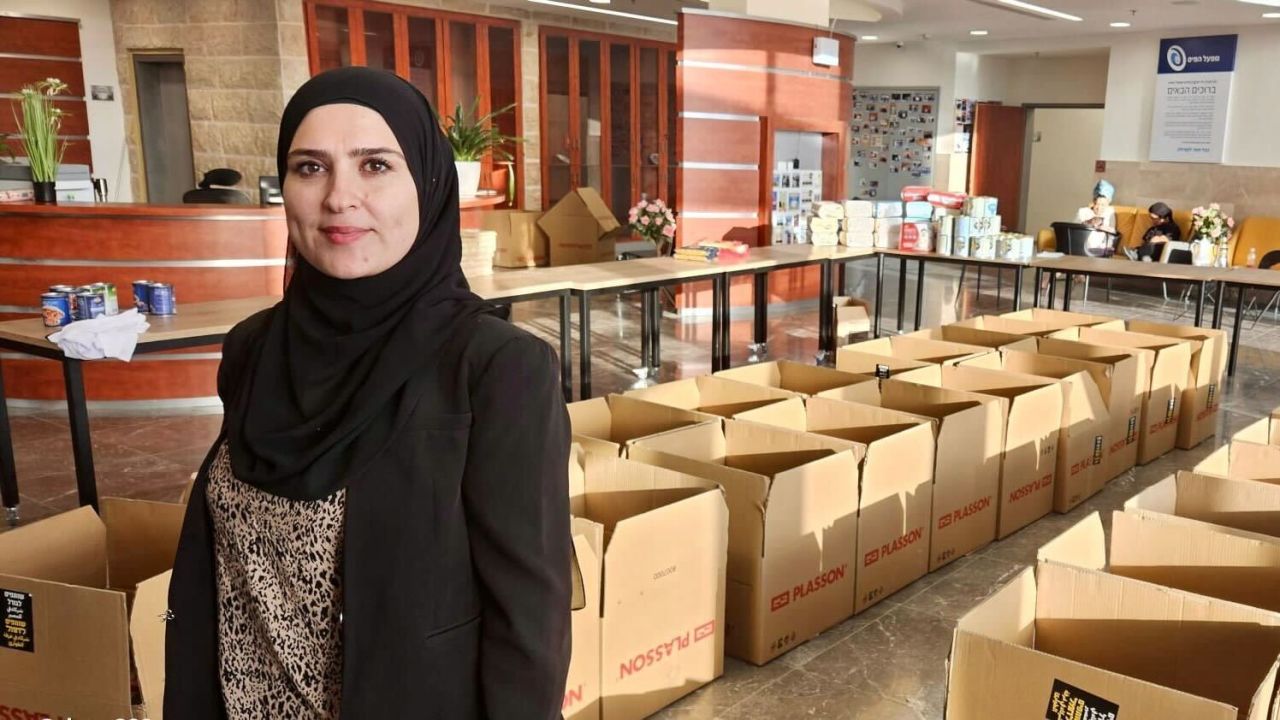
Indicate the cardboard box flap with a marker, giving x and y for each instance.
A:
(917, 348)
(966, 335)
(1216, 463)
(1048, 364)
(683, 394)
(1242, 504)
(591, 418)
(1126, 338)
(1081, 545)
(985, 381)
(619, 489)
(930, 374)
(147, 629)
(851, 360)
(712, 395)
(1063, 318)
(1197, 557)
(619, 419)
(73, 549)
(789, 414)
(864, 392)
(582, 204)
(931, 401)
(1251, 461)
(142, 539)
(582, 691)
(1263, 432)
(1225, 650)
(793, 376)
(577, 479)
(1008, 614)
(826, 414)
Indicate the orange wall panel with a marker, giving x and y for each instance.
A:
(720, 190)
(723, 141)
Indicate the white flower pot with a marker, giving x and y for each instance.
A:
(468, 179)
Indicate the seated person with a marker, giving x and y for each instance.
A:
(1163, 229)
(1099, 214)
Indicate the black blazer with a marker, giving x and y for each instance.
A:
(456, 565)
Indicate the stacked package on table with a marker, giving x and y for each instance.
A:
(826, 224)
(917, 225)
(888, 228)
(859, 223)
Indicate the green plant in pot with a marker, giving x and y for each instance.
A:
(472, 138)
(38, 128)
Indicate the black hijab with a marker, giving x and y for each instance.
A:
(322, 393)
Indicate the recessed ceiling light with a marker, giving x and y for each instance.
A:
(1042, 10)
(869, 37)
(977, 32)
(1271, 16)
(602, 11)
(1120, 24)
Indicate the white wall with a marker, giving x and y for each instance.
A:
(1060, 173)
(1080, 80)
(98, 61)
(1255, 97)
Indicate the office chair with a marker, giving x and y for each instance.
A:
(1084, 241)
(217, 186)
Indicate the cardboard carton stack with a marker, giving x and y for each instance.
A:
(826, 225)
(888, 230)
(478, 249)
(917, 226)
(859, 224)
(974, 233)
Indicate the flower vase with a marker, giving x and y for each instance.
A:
(1222, 257)
(1202, 252)
(45, 193)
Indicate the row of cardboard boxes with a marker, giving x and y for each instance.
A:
(745, 512)
(742, 513)
(1177, 617)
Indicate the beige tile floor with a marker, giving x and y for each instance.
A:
(885, 664)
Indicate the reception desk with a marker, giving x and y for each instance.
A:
(208, 252)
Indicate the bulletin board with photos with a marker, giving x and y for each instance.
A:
(893, 135)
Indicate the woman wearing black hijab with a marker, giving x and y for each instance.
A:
(382, 527)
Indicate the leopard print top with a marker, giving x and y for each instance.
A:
(279, 599)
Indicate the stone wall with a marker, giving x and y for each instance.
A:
(243, 59)
(1242, 191)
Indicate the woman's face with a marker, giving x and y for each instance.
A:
(349, 200)
(1100, 203)
(1156, 219)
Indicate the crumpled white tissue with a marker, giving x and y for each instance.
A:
(113, 336)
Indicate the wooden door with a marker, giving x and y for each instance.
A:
(995, 163)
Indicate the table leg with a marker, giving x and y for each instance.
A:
(655, 338)
(1066, 292)
(1017, 287)
(646, 331)
(8, 469)
(1053, 288)
(1200, 302)
(1035, 301)
(1235, 331)
(902, 295)
(919, 292)
(1218, 305)
(999, 286)
(726, 309)
(842, 284)
(584, 345)
(875, 323)
(826, 313)
(760, 333)
(81, 446)
(566, 348)
(717, 291)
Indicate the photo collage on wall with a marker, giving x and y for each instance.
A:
(892, 140)
(794, 193)
(964, 124)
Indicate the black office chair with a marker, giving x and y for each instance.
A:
(218, 187)
(269, 190)
(1082, 240)
(1269, 261)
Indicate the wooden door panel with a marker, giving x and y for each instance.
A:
(995, 165)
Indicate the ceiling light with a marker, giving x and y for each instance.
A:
(1271, 16)
(977, 32)
(602, 2)
(602, 11)
(1120, 24)
(869, 37)
(1042, 10)
(1268, 3)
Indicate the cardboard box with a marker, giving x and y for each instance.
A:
(1117, 372)
(83, 597)
(1033, 423)
(793, 527)
(608, 424)
(1202, 396)
(663, 592)
(578, 228)
(1086, 424)
(895, 485)
(964, 335)
(1065, 319)
(582, 687)
(851, 317)
(711, 395)
(920, 349)
(968, 435)
(1197, 557)
(1239, 504)
(1167, 374)
(1239, 460)
(521, 243)
(799, 378)
(877, 366)
(1068, 642)
(1263, 432)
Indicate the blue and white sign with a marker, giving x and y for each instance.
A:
(1193, 97)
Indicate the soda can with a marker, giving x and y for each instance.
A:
(56, 309)
(162, 299)
(109, 298)
(89, 305)
(70, 292)
(142, 295)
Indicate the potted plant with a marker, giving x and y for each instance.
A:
(1211, 235)
(653, 221)
(38, 129)
(471, 139)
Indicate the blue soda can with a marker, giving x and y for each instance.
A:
(70, 292)
(162, 300)
(142, 295)
(89, 305)
(55, 307)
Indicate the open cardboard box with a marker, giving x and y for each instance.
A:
(1121, 386)
(1240, 504)
(1067, 642)
(1262, 432)
(799, 378)
(662, 593)
(1085, 421)
(1198, 557)
(965, 335)
(521, 243)
(608, 424)
(850, 317)
(582, 686)
(83, 596)
(579, 228)
(793, 527)
(878, 366)
(1167, 373)
(968, 435)
(1242, 460)
(895, 487)
(902, 347)
(711, 395)
(1064, 319)
(1033, 423)
(1202, 396)
(1039, 324)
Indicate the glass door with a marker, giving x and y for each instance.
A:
(650, 113)
(590, 115)
(422, 59)
(558, 149)
(332, 38)
(379, 41)
(620, 145)
(461, 52)
(669, 134)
